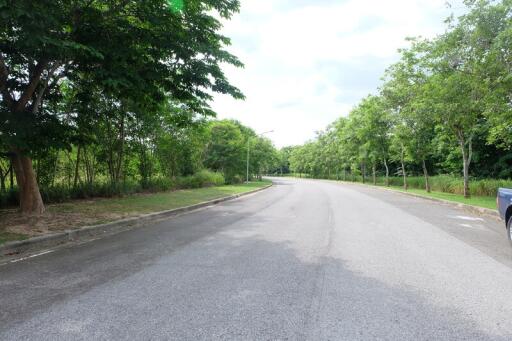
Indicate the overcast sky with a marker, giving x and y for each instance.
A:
(308, 62)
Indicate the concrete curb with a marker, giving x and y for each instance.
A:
(74, 235)
(470, 208)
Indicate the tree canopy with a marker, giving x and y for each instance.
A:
(442, 108)
(71, 67)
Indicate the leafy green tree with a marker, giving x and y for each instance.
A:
(135, 51)
(226, 149)
(454, 92)
(373, 129)
(284, 155)
(404, 94)
(443, 107)
(263, 156)
(490, 37)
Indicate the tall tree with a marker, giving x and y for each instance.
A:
(226, 149)
(454, 91)
(403, 91)
(141, 50)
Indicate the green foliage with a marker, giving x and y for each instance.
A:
(203, 178)
(444, 108)
(127, 50)
(229, 145)
(119, 85)
(226, 149)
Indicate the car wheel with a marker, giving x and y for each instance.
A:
(509, 230)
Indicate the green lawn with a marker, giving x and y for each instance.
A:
(147, 203)
(8, 236)
(486, 202)
(91, 212)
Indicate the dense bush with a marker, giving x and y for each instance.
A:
(160, 184)
(204, 178)
(236, 179)
(9, 198)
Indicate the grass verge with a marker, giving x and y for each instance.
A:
(75, 214)
(9, 236)
(479, 201)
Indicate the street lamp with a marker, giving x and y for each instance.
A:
(248, 154)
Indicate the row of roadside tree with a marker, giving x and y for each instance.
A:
(444, 108)
(126, 157)
(109, 97)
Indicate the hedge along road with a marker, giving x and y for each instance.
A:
(302, 260)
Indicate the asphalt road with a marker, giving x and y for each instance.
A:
(304, 260)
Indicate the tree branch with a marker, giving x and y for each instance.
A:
(40, 94)
(32, 85)
(4, 75)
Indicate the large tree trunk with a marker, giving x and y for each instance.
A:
(467, 193)
(404, 172)
(387, 172)
(374, 174)
(30, 197)
(425, 174)
(466, 161)
(29, 100)
(77, 165)
(3, 177)
(465, 171)
(2, 183)
(120, 160)
(363, 172)
(90, 166)
(11, 176)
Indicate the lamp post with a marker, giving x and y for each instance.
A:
(248, 153)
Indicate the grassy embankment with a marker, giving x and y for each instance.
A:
(479, 201)
(90, 212)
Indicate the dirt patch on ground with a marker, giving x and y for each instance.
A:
(50, 222)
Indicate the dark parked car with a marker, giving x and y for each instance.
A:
(504, 201)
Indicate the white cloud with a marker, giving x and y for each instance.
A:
(308, 62)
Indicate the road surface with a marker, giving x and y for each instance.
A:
(304, 260)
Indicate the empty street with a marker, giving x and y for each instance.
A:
(303, 260)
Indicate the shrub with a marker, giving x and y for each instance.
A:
(160, 184)
(9, 198)
(55, 194)
(236, 179)
(203, 178)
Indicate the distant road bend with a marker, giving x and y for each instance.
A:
(303, 260)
